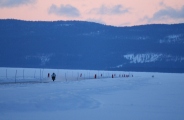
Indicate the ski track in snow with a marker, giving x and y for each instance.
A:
(141, 97)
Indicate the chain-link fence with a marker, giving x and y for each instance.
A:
(16, 75)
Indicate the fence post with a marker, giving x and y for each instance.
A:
(72, 74)
(34, 73)
(40, 74)
(58, 72)
(89, 74)
(23, 74)
(15, 76)
(6, 74)
(77, 75)
(65, 76)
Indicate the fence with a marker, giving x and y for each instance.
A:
(16, 75)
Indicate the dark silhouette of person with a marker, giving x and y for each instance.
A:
(95, 76)
(53, 76)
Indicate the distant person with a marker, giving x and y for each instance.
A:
(95, 76)
(48, 75)
(53, 76)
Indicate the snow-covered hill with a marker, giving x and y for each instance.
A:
(87, 45)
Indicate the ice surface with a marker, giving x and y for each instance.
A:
(145, 96)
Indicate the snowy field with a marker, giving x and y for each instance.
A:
(28, 94)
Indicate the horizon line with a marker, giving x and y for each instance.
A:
(86, 21)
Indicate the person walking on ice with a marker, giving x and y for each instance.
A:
(53, 76)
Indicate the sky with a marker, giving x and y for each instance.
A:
(112, 12)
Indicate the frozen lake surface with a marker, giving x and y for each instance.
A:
(141, 97)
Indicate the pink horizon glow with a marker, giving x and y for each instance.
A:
(116, 12)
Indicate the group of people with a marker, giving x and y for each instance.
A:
(113, 75)
(53, 76)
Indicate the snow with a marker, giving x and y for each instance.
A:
(145, 96)
(175, 38)
(143, 58)
(44, 58)
(151, 57)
